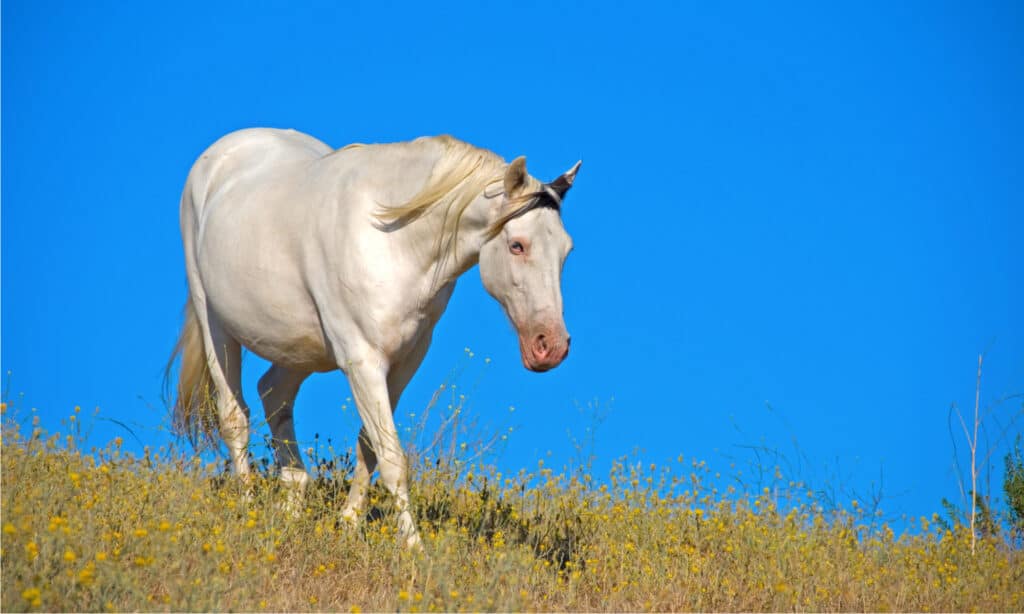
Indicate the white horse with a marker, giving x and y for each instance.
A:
(319, 259)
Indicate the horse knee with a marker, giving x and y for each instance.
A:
(392, 474)
(234, 420)
(294, 477)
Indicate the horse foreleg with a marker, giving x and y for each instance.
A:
(366, 461)
(369, 386)
(366, 464)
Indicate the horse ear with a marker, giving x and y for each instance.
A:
(515, 175)
(564, 181)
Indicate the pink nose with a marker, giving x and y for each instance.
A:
(547, 354)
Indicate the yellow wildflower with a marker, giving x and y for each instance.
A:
(32, 596)
(86, 575)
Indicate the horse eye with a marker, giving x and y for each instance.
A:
(515, 247)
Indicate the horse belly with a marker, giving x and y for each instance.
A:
(285, 334)
(262, 303)
(306, 352)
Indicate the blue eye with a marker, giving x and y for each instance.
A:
(516, 248)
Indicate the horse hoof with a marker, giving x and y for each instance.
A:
(349, 518)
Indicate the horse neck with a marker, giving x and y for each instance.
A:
(449, 262)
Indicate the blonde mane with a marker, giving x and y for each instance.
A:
(461, 173)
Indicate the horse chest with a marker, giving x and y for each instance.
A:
(415, 326)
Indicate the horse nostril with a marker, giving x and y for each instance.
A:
(540, 346)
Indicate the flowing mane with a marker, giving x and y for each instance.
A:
(461, 173)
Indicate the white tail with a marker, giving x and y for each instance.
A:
(195, 409)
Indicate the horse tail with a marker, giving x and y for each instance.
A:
(194, 414)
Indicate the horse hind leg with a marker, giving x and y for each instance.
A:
(224, 358)
(278, 388)
(223, 353)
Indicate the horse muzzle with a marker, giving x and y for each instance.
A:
(543, 351)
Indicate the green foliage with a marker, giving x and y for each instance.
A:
(1013, 487)
(985, 520)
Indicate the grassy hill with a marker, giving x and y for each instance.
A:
(107, 530)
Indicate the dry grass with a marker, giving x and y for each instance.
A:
(111, 531)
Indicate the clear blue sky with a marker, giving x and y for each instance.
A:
(814, 208)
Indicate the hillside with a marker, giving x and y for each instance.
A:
(107, 530)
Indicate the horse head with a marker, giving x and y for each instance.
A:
(521, 264)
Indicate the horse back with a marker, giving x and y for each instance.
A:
(247, 154)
